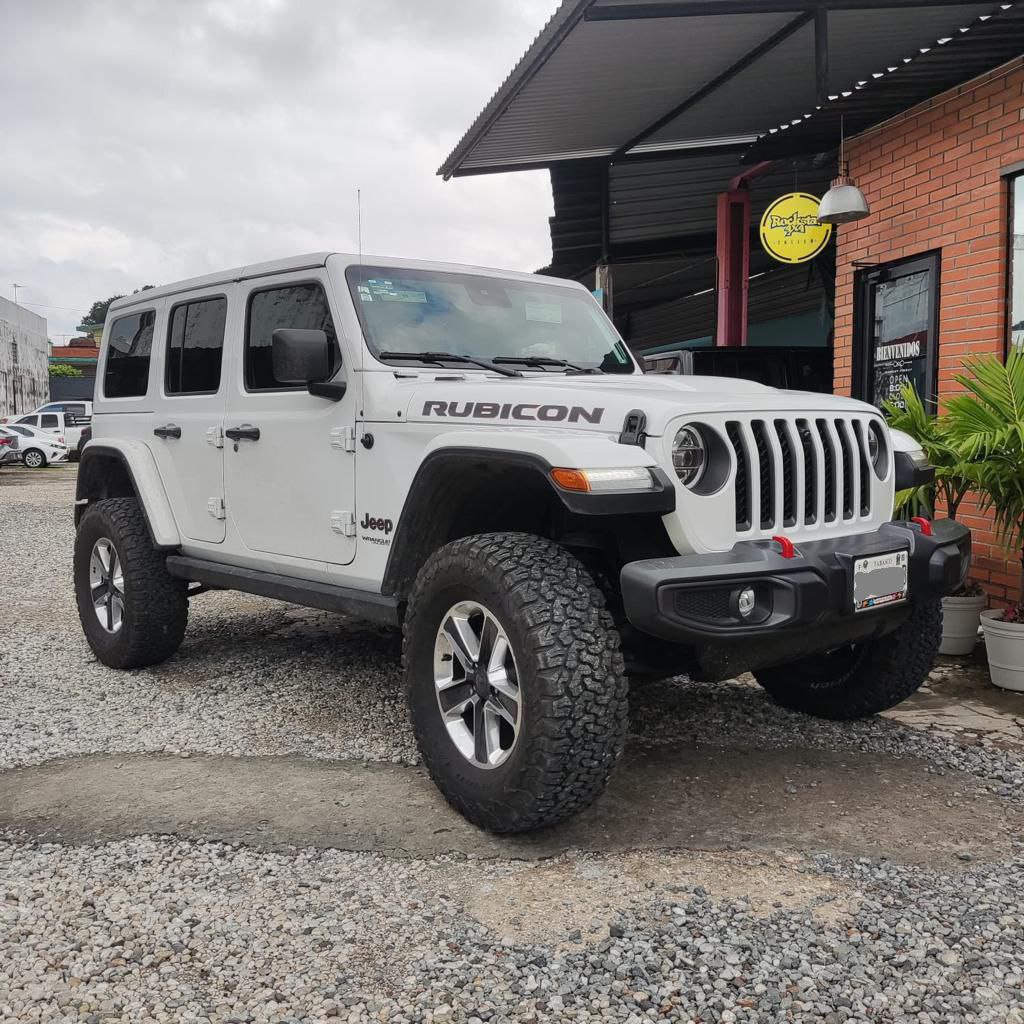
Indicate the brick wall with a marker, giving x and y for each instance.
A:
(934, 179)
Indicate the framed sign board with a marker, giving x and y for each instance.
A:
(896, 330)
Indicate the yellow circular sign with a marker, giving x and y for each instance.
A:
(790, 230)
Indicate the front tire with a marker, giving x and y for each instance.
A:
(133, 612)
(860, 679)
(515, 681)
(34, 459)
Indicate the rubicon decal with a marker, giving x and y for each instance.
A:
(514, 411)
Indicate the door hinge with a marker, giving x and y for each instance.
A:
(344, 438)
(215, 436)
(215, 506)
(344, 523)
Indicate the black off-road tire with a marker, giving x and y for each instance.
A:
(155, 603)
(862, 679)
(571, 676)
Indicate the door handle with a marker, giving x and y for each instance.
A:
(245, 432)
(168, 431)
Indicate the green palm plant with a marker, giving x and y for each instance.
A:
(949, 456)
(989, 422)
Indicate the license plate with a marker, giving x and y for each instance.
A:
(879, 580)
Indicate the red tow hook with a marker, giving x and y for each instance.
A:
(925, 524)
(786, 548)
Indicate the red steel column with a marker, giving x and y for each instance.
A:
(733, 252)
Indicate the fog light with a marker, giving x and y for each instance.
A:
(746, 601)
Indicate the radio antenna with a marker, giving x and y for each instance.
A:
(359, 223)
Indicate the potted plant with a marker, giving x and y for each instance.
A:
(989, 421)
(961, 611)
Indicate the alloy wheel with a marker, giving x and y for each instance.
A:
(106, 585)
(477, 684)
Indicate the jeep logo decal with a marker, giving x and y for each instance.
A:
(384, 525)
(512, 411)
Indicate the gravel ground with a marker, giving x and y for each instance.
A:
(155, 928)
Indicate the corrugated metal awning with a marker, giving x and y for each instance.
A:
(628, 78)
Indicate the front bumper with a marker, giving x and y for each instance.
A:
(803, 603)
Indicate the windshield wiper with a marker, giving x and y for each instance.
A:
(547, 361)
(450, 357)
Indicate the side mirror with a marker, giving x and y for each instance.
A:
(303, 357)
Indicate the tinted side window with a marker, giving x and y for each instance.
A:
(302, 306)
(195, 343)
(49, 421)
(131, 339)
(32, 421)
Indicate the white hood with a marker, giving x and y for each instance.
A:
(602, 402)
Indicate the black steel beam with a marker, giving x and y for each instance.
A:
(821, 55)
(716, 83)
(706, 8)
(654, 155)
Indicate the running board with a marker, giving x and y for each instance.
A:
(360, 604)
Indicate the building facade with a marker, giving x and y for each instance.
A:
(24, 359)
(935, 274)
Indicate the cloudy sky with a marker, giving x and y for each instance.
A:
(142, 141)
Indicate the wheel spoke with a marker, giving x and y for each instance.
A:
(117, 611)
(504, 707)
(489, 635)
(480, 751)
(454, 698)
(465, 643)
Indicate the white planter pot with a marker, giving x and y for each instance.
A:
(1004, 642)
(960, 618)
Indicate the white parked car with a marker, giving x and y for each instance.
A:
(10, 444)
(477, 457)
(38, 447)
(66, 428)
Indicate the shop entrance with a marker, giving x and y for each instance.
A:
(896, 329)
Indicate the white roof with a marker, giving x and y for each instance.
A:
(309, 261)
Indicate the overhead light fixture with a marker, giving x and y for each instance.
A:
(843, 202)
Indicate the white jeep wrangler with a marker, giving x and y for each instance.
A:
(476, 457)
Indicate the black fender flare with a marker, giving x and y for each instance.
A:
(420, 530)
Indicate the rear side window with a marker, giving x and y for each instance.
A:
(128, 351)
(49, 421)
(195, 344)
(302, 306)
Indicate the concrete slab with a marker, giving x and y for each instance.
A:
(661, 798)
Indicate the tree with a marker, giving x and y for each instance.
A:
(98, 310)
(64, 370)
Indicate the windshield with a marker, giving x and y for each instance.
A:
(484, 318)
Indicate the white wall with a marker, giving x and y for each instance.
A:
(25, 383)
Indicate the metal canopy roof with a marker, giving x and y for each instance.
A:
(618, 79)
(986, 45)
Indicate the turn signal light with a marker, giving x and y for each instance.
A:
(570, 479)
(624, 478)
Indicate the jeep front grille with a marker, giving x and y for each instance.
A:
(793, 473)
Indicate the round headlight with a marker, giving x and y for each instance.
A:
(877, 449)
(689, 456)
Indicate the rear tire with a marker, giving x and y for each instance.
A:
(34, 459)
(860, 679)
(133, 612)
(559, 709)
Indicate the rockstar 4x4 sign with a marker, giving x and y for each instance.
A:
(790, 230)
